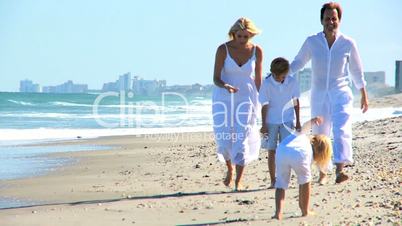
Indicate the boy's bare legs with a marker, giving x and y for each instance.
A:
(340, 175)
(229, 174)
(239, 175)
(271, 167)
(279, 202)
(304, 198)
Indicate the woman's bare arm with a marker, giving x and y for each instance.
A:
(258, 67)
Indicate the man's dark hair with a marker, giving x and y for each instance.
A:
(331, 5)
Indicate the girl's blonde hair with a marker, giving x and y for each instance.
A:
(322, 150)
(243, 24)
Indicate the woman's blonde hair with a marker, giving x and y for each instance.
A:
(322, 150)
(243, 24)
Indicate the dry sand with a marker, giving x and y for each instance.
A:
(177, 180)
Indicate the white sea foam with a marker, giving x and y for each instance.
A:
(38, 115)
(24, 136)
(141, 105)
(166, 124)
(21, 102)
(156, 116)
(69, 104)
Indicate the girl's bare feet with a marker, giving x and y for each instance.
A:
(323, 179)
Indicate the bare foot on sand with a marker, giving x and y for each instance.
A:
(309, 213)
(272, 186)
(240, 187)
(277, 216)
(341, 177)
(229, 178)
(323, 179)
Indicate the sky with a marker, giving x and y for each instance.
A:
(95, 41)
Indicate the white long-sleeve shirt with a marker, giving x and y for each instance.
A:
(330, 65)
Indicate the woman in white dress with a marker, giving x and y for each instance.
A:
(237, 79)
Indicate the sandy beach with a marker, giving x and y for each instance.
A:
(176, 179)
(394, 100)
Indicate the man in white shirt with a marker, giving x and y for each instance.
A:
(332, 54)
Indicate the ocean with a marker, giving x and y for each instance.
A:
(38, 117)
(27, 117)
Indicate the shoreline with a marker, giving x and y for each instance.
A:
(81, 134)
(27, 161)
(121, 148)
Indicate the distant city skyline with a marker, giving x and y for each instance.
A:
(135, 85)
(51, 42)
(140, 86)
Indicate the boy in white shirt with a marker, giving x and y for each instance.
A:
(278, 95)
(297, 152)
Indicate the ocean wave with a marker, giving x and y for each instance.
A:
(165, 123)
(39, 115)
(69, 104)
(139, 105)
(200, 98)
(24, 136)
(139, 116)
(21, 102)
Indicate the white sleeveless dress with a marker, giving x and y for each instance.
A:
(235, 114)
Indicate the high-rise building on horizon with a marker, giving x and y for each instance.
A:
(148, 87)
(124, 82)
(374, 77)
(109, 86)
(67, 87)
(304, 79)
(376, 85)
(27, 86)
(398, 76)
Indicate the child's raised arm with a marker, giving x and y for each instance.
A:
(306, 128)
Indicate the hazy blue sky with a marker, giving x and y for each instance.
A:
(93, 41)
